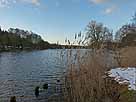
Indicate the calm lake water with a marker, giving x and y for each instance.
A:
(21, 72)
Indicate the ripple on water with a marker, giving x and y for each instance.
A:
(21, 72)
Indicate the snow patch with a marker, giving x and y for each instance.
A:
(124, 76)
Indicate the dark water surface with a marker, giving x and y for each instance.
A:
(21, 72)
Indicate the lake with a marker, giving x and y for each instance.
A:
(21, 72)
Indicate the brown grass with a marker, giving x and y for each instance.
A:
(88, 82)
(129, 56)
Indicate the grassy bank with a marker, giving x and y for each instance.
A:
(86, 80)
(129, 56)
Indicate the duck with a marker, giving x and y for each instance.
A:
(13, 99)
(45, 86)
(37, 91)
(58, 80)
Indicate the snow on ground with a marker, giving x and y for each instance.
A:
(124, 76)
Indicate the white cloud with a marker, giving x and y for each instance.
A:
(34, 2)
(98, 1)
(110, 10)
(4, 3)
(7, 3)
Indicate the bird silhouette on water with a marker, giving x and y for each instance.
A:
(45, 86)
(37, 91)
(58, 80)
(13, 99)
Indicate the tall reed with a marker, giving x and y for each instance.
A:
(86, 80)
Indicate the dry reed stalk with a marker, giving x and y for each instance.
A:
(85, 82)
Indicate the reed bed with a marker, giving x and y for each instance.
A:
(86, 80)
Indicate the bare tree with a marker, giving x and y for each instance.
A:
(122, 32)
(97, 34)
(126, 30)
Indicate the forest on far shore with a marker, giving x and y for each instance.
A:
(21, 39)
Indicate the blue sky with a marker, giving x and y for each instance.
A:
(56, 20)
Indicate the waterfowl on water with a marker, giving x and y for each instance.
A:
(45, 86)
(58, 80)
(37, 91)
(13, 99)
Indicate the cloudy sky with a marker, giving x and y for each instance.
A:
(57, 19)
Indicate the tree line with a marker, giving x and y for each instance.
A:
(21, 39)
